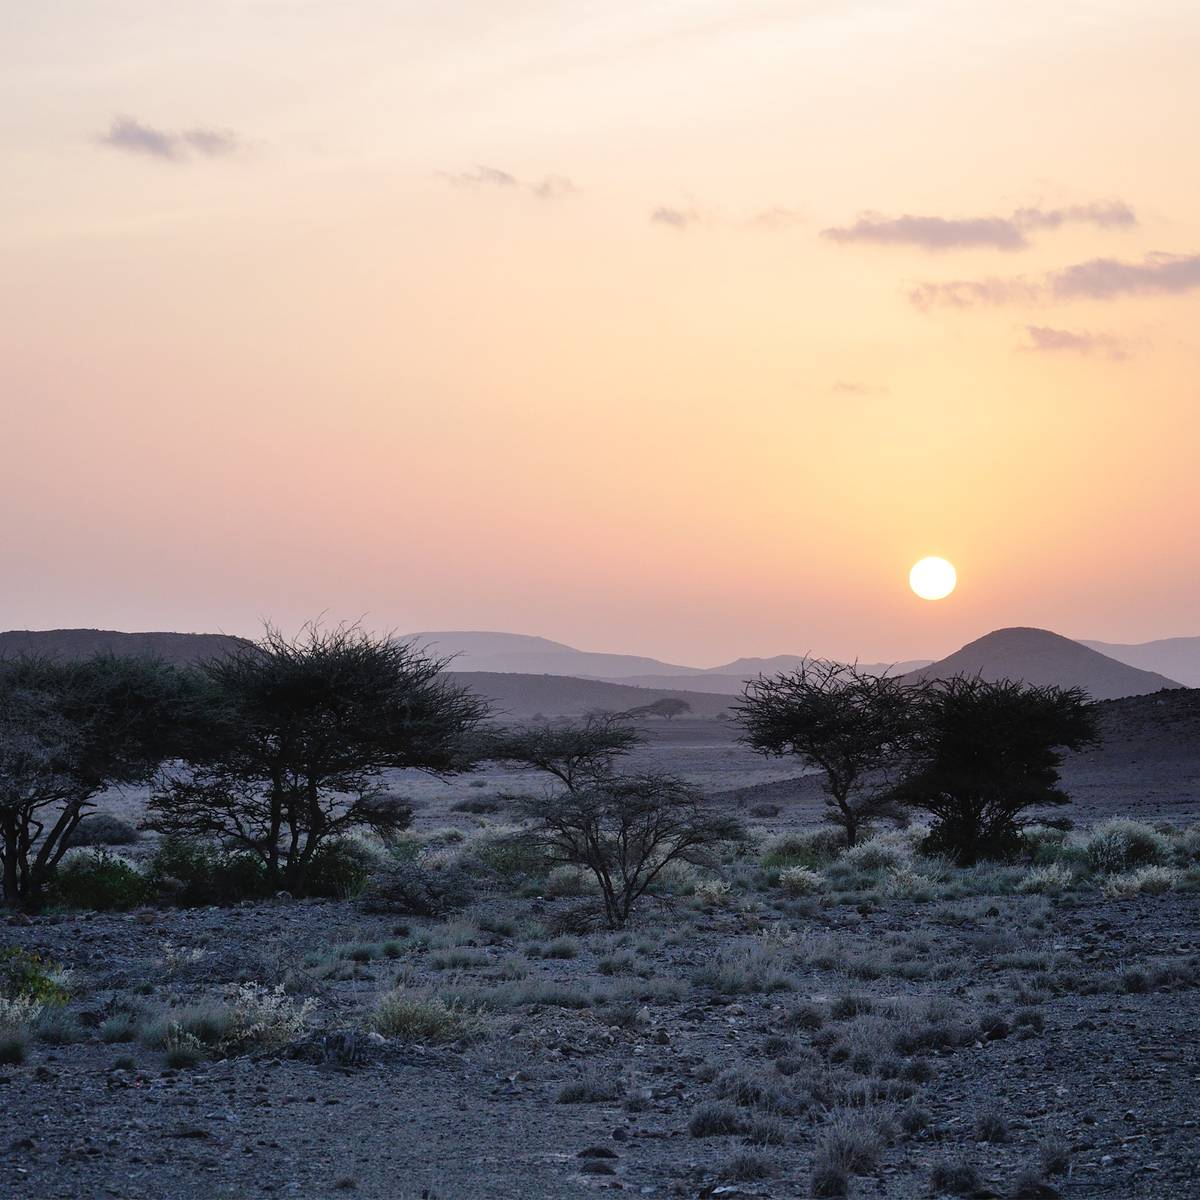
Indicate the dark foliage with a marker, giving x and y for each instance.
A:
(625, 829)
(301, 731)
(69, 731)
(985, 753)
(193, 874)
(669, 707)
(852, 726)
(575, 752)
(100, 881)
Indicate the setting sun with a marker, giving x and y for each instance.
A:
(933, 578)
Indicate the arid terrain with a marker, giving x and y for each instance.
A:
(935, 1031)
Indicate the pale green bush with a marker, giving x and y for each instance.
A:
(1146, 881)
(801, 881)
(1120, 845)
(1049, 880)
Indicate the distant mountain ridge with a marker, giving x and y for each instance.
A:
(179, 648)
(1177, 657)
(1038, 656)
(525, 654)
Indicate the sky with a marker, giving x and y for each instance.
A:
(674, 327)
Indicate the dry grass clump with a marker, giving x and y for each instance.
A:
(419, 1017)
(801, 881)
(591, 1088)
(954, 1177)
(715, 1118)
(1049, 880)
(743, 970)
(1145, 881)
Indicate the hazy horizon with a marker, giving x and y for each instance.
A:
(678, 330)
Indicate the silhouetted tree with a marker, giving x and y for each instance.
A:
(625, 830)
(300, 733)
(575, 752)
(69, 731)
(852, 726)
(669, 707)
(987, 752)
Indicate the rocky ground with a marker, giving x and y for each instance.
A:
(726, 1044)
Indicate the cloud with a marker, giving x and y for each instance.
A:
(1096, 279)
(1045, 340)
(674, 218)
(550, 187)
(770, 220)
(131, 136)
(959, 233)
(1113, 214)
(930, 233)
(1103, 278)
(855, 387)
(773, 219)
(479, 177)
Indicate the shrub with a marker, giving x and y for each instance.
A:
(417, 1017)
(192, 874)
(568, 881)
(808, 848)
(800, 881)
(100, 880)
(483, 806)
(263, 1016)
(340, 868)
(1121, 845)
(955, 1176)
(715, 1119)
(739, 971)
(875, 855)
(852, 1141)
(748, 1167)
(103, 829)
(514, 857)
(26, 976)
(1148, 881)
(990, 1126)
(592, 1088)
(626, 829)
(418, 889)
(1049, 880)
(712, 891)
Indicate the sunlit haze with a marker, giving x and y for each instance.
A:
(680, 328)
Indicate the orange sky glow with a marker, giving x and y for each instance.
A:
(675, 328)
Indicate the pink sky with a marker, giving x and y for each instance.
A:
(679, 329)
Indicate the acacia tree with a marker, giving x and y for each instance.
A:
(576, 753)
(301, 732)
(68, 732)
(625, 830)
(986, 753)
(850, 725)
(669, 707)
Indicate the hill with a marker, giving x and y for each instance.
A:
(522, 654)
(725, 682)
(178, 648)
(523, 696)
(1040, 657)
(1177, 657)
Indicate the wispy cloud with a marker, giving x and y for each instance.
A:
(133, 137)
(1044, 339)
(856, 387)
(960, 233)
(1096, 279)
(674, 218)
(770, 220)
(549, 187)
